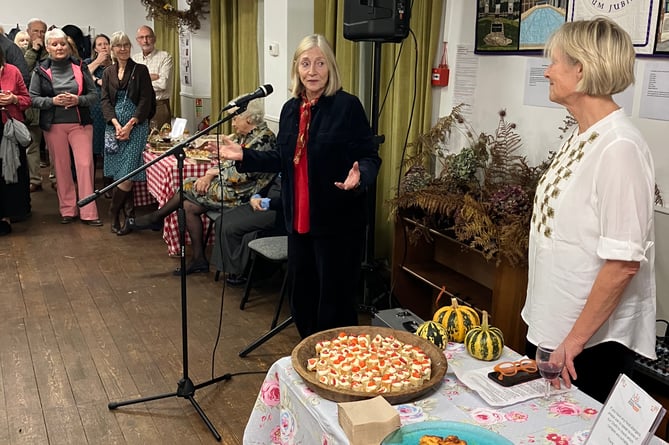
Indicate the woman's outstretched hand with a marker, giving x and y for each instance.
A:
(227, 149)
(352, 181)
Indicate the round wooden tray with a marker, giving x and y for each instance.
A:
(306, 350)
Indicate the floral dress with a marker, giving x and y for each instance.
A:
(236, 187)
(127, 156)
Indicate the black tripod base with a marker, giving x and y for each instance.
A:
(186, 390)
(271, 333)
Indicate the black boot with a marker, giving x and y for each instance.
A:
(118, 198)
(129, 211)
(106, 180)
(154, 220)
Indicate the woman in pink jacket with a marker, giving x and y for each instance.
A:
(14, 98)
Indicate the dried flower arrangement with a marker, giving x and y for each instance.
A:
(483, 195)
(189, 19)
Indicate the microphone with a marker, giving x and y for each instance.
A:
(262, 91)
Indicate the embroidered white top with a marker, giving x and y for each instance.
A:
(594, 203)
(158, 62)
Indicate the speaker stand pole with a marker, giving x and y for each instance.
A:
(368, 266)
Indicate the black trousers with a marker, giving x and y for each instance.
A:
(598, 367)
(324, 274)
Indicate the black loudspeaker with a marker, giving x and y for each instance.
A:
(376, 20)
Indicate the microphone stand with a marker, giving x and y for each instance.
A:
(185, 387)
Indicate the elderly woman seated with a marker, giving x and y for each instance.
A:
(221, 186)
(262, 216)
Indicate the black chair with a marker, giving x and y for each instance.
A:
(273, 249)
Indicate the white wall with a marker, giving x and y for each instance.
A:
(500, 84)
(286, 23)
(102, 16)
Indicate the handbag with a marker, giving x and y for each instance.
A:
(111, 143)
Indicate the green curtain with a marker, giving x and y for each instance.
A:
(328, 17)
(234, 61)
(167, 39)
(414, 67)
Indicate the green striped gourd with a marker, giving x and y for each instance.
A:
(457, 320)
(485, 342)
(433, 332)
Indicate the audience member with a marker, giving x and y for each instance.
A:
(14, 55)
(244, 223)
(219, 187)
(101, 59)
(22, 40)
(14, 194)
(160, 66)
(127, 103)
(72, 47)
(63, 90)
(35, 53)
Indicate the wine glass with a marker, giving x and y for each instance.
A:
(550, 361)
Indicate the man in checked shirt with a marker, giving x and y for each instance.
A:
(160, 66)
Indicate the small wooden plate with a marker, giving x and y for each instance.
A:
(306, 349)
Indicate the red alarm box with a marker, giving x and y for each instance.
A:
(440, 76)
(440, 73)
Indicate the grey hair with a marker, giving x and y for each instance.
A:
(334, 79)
(119, 37)
(35, 20)
(55, 33)
(255, 111)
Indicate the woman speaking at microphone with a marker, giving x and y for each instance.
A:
(327, 158)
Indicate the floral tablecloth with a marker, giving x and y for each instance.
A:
(162, 179)
(287, 412)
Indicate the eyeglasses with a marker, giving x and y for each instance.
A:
(512, 368)
(122, 45)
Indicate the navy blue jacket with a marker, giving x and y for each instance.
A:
(339, 135)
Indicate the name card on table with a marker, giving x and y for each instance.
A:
(178, 127)
(629, 417)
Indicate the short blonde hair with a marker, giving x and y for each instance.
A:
(118, 38)
(334, 79)
(55, 33)
(21, 35)
(604, 50)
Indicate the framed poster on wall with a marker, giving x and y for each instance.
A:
(662, 36)
(512, 26)
(639, 18)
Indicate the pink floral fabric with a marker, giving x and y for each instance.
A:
(287, 412)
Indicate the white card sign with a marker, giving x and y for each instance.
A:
(629, 416)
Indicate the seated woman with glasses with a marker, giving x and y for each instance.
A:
(221, 186)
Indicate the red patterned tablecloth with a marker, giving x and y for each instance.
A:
(162, 179)
(142, 195)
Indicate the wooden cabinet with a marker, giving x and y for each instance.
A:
(420, 270)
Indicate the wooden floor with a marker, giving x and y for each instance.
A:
(89, 317)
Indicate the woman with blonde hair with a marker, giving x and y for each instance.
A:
(591, 283)
(327, 159)
(22, 40)
(63, 90)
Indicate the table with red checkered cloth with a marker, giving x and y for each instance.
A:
(162, 179)
(141, 194)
